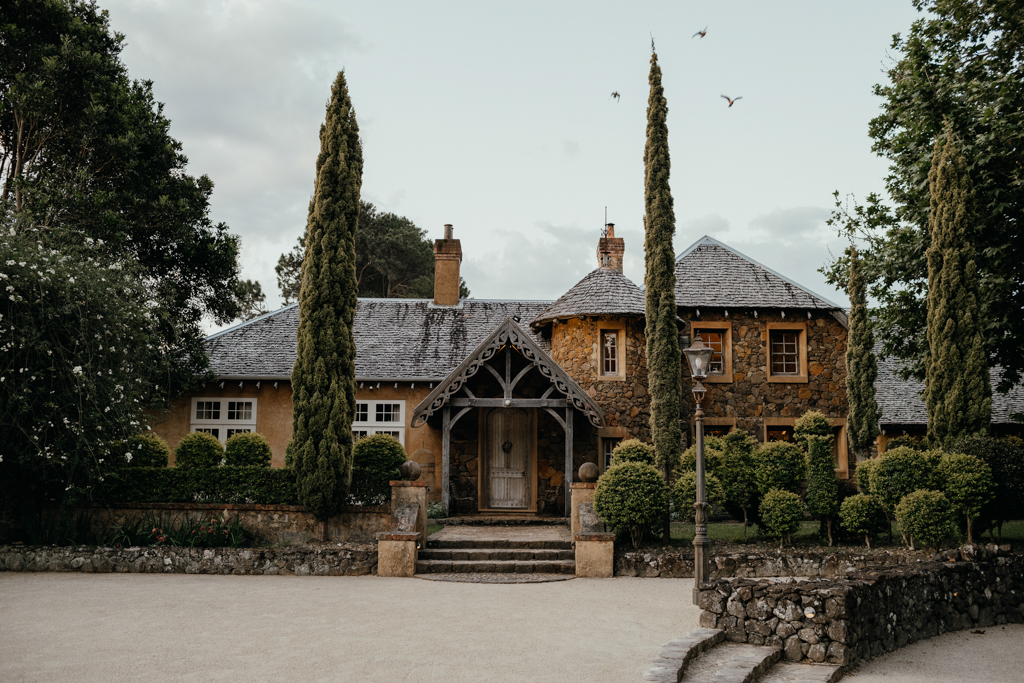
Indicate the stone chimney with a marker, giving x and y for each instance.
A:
(610, 249)
(447, 259)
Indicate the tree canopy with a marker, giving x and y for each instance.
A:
(960, 64)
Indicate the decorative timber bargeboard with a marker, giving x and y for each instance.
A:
(453, 392)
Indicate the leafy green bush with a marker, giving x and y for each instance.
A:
(811, 423)
(633, 450)
(967, 483)
(780, 465)
(863, 514)
(247, 449)
(781, 512)
(631, 496)
(738, 477)
(375, 463)
(822, 485)
(148, 450)
(1005, 457)
(714, 450)
(198, 450)
(926, 517)
(905, 441)
(435, 511)
(865, 468)
(289, 459)
(683, 493)
(900, 471)
(260, 485)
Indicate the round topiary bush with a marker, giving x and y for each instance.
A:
(865, 468)
(633, 450)
(147, 450)
(779, 465)
(376, 460)
(926, 517)
(967, 483)
(905, 441)
(247, 449)
(198, 450)
(811, 423)
(631, 496)
(1005, 457)
(863, 514)
(900, 471)
(781, 512)
(683, 493)
(714, 454)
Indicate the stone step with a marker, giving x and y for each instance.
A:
(500, 544)
(731, 663)
(793, 672)
(496, 566)
(677, 654)
(487, 554)
(500, 520)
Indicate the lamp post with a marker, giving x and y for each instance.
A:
(698, 356)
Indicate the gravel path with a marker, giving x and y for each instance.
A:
(146, 627)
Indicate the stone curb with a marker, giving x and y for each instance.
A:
(677, 654)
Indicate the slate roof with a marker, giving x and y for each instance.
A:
(396, 339)
(604, 291)
(901, 403)
(713, 275)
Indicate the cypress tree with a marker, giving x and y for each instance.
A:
(861, 364)
(663, 354)
(958, 392)
(323, 378)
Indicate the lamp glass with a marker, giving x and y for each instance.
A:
(698, 356)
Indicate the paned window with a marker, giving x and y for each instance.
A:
(785, 352)
(608, 445)
(223, 418)
(716, 340)
(379, 417)
(609, 352)
(779, 433)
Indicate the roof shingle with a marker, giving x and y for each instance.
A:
(604, 291)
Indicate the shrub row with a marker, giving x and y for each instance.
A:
(240, 485)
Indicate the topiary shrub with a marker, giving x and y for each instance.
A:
(683, 493)
(631, 497)
(247, 449)
(905, 441)
(198, 450)
(967, 483)
(147, 450)
(1005, 457)
(633, 450)
(863, 514)
(375, 463)
(926, 517)
(738, 475)
(899, 471)
(822, 485)
(781, 512)
(779, 465)
(714, 450)
(811, 423)
(865, 468)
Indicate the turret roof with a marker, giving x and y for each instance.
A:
(604, 291)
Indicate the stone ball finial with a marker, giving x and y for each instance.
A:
(410, 470)
(589, 472)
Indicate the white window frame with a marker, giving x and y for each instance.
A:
(221, 423)
(371, 426)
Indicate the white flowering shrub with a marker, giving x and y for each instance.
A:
(79, 358)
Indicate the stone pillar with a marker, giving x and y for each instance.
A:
(397, 548)
(582, 492)
(595, 548)
(412, 491)
(396, 553)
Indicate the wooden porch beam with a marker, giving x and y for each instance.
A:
(512, 402)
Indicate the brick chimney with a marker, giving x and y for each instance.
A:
(447, 258)
(610, 249)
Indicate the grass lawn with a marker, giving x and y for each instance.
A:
(433, 528)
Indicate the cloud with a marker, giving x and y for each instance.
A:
(794, 224)
(571, 149)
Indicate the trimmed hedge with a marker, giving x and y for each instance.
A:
(781, 513)
(927, 517)
(863, 514)
(780, 465)
(633, 450)
(198, 450)
(247, 449)
(376, 460)
(632, 497)
(258, 485)
(148, 450)
(811, 423)
(683, 493)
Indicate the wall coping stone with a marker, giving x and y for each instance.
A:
(398, 536)
(401, 483)
(583, 485)
(599, 536)
(243, 507)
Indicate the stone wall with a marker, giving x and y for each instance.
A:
(851, 619)
(268, 523)
(349, 559)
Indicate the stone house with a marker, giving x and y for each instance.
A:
(501, 401)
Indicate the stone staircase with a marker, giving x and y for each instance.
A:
(703, 656)
(464, 549)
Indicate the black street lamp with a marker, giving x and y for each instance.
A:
(698, 356)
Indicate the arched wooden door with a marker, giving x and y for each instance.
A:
(508, 446)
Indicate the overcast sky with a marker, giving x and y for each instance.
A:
(498, 119)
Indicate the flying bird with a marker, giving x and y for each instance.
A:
(700, 33)
(615, 95)
(732, 100)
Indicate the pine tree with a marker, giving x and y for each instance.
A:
(861, 364)
(323, 378)
(958, 392)
(663, 354)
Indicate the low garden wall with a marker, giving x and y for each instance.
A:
(268, 523)
(350, 559)
(849, 619)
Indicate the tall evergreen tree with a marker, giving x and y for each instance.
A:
(663, 354)
(958, 392)
(861, 364)
(323, 378)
